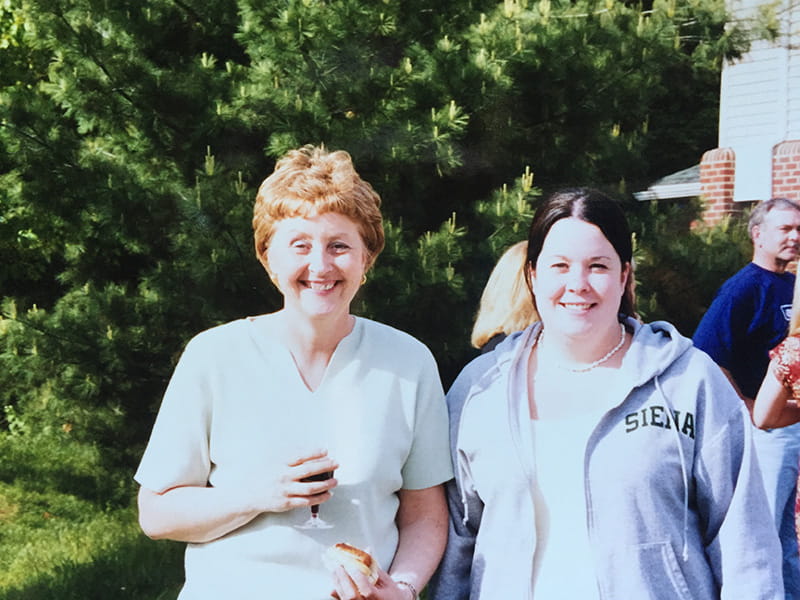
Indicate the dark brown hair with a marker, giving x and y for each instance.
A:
(591, 206)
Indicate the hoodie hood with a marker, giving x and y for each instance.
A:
(655, 347)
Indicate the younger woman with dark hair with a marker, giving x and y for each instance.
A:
(597, 456)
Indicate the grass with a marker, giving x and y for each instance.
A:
(62, 547)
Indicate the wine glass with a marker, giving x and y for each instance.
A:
(315, 521)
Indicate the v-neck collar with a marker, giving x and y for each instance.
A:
(271, 349)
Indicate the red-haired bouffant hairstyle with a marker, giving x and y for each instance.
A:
(311, 181)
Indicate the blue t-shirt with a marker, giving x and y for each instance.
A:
(748, 317)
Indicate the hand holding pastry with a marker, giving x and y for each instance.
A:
(357, 576)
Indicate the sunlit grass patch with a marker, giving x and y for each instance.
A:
(57, 546)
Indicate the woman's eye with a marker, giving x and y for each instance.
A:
(340, 246)
(598, 267)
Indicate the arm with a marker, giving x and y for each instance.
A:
(421, 518)
(191, 514)
(774, 406)
(422, 527)
(201, 514)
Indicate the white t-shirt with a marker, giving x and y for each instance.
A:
(563, 565)
(236, 408)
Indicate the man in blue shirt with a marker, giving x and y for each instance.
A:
(747, 318)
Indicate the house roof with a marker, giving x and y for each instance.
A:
(681, 184)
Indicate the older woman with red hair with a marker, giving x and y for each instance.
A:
(308, 406)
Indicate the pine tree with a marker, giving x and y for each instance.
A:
(133, 137)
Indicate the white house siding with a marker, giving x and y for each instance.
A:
(760, 103)
(793, 74)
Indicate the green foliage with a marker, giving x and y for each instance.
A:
(133, 137)
(682, 264)
(57, 546)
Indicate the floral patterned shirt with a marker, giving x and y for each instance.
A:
(786, 364)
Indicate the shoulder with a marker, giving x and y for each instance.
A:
(396, 339)
(224, 335)
(384, 344)
(475, 370)
(486, 370)
(660, 351)
(747, 279)
(736, 298)
(752, 278)
(696, 378)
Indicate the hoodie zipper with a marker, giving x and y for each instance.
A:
(514, 409)
(514, 433)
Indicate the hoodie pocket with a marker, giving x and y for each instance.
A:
(648, 572)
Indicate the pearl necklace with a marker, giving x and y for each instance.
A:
(596, 363)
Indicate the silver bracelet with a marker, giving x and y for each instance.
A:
(409, 587)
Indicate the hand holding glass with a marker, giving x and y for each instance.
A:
(315, 521)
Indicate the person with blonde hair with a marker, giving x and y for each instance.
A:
(283, 434)
(505, 305)
(776, 403)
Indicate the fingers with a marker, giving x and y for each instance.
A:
(314, 479)
(311, 487)
(316, 465)
(317, 469)
(313, 454)
(316, 499)
(299, 501)
(309, 493)
(285, 489)
(352, 585)
(310, 455)
(344, 586)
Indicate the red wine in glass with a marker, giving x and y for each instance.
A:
(315, 521)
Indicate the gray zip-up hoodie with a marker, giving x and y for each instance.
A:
(675, 504)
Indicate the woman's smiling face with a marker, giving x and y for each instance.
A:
(578, 280)
(317, 263)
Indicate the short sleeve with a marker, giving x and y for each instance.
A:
(428, 462)
(786, 364)
(178, 450)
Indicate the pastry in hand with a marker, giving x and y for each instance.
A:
(351, 558)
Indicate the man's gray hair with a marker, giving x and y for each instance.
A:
(762, 208)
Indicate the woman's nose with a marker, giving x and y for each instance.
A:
(576, 279)
(317, 260)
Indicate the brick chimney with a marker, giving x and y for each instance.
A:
(717, 169)
(786, 170)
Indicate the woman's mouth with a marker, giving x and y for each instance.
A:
(320, 286)
(577, 306)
